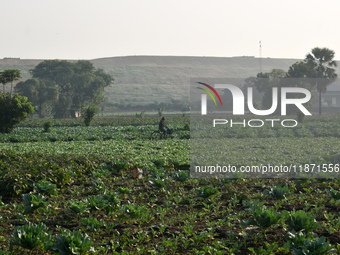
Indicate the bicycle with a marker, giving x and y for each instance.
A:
(158, 135)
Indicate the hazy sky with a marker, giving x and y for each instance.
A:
(88, 29)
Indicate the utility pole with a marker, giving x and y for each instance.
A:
(260, 59)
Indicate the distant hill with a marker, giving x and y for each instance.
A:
(148, 79)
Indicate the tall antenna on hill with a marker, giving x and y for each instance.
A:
(260, 60)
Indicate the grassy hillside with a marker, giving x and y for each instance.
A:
(22, 64)
(148, 79)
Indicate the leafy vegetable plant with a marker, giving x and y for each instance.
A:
(33, 201)
(122, 190)
(300, 220)
(159, 182)
(45, 187)
(278, 192)
(96, 202)
(263, 217)
(181, 175)
(300, 243)
(131, 211)
(335, 194)
(77, 207)
(72, 243)
(99, 186)
(206, 191)
(31, 236)
(92, 224)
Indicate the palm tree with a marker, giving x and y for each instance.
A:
(9, 76)
(322, 63)
(3, 82)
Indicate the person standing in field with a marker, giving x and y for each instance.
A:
(162, 126)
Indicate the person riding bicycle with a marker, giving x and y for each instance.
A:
(162, 126)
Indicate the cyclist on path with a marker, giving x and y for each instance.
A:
(162, 126)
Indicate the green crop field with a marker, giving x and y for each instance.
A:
(70, 190)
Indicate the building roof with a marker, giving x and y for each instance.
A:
(333, 88)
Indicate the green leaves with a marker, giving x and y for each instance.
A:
(96, 202)
(263, 217)
(9, 76)
(181, 175)
(300, 220)
(300, 243)
(278, 192)
(45, 187)
(75, 242)
(31, 236)
(92, 224)
(207, 191)
(88, 114)
(132, 211)
(77, 207)
(335, 194)
(13, 110)
(296, 220)
(19, 170)
(75, 84)
(159, 182)
(122, 190)
(34, 201)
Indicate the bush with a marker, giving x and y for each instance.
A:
(140, 115)
(47, 126)
(160, 112)
(89, 113)
(13, 110)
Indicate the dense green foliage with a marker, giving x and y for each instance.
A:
(42, 96)
(88, 114)
(13, 109)
(317, 70)
(65, 86)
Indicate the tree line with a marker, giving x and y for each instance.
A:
(59, 86)
(317, 71)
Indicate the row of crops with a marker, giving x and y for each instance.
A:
(80, 133)
(76, 194)
(133, 132)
